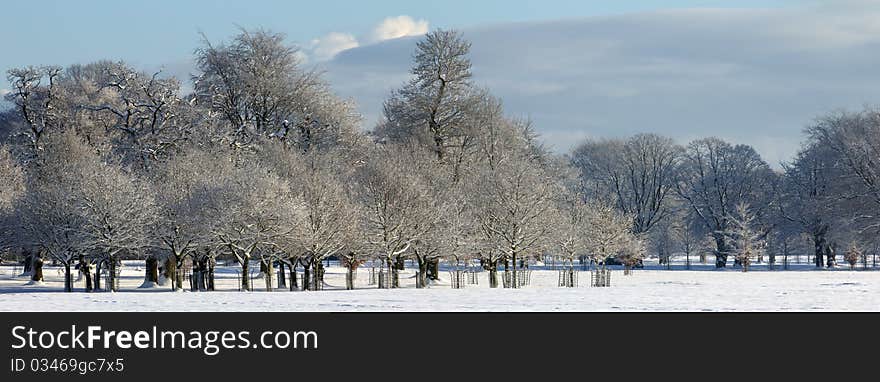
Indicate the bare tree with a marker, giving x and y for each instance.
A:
(688, 237)
(810, 195)
(849, 143)
(637, 175)
(715, 176)
(143, 113)
(35, 100)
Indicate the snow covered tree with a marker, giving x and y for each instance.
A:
(183, 187)
(257, 84)
(12, 189)
(745, 239)
(325, 225)
(609, 232)
(118, 210)
(432, 109)
(570, 235)
(515, 209)
(249, 208)
(80, 204)
(143, 114)
(395, 204)
(50, 222)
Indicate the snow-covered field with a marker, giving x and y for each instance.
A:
(651, 289)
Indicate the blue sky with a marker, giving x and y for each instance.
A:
(159, 31)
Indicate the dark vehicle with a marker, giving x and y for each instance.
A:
(611, 260)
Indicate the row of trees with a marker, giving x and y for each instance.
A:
(262, 163)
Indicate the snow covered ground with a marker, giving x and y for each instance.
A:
(652, 289)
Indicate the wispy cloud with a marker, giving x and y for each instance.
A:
(327, 47)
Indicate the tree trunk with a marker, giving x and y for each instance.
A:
(87, 273)
(151, 274)
(422, 279)
(514, 282)
(195, 276)
(349, 279)
(37, 270)
(171, 272)
(721, 254)
(210, 280)
(112, 270)
(819, 250)
(68, 278)
(28, 264)
(318, 276)
(282, 279)
(245, 277)
(829, 255)
(270, 269)
(433, 272)
(307, 277)
(178, 272)
(293, 285)
(98, 267)
(493, 277)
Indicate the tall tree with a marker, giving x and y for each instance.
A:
(637, 175)
(854, 139)
(715, 176)
(810, 195)
(433, 109)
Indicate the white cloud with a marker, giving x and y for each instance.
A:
(397, 27)
(328, 46)
(4, 92)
